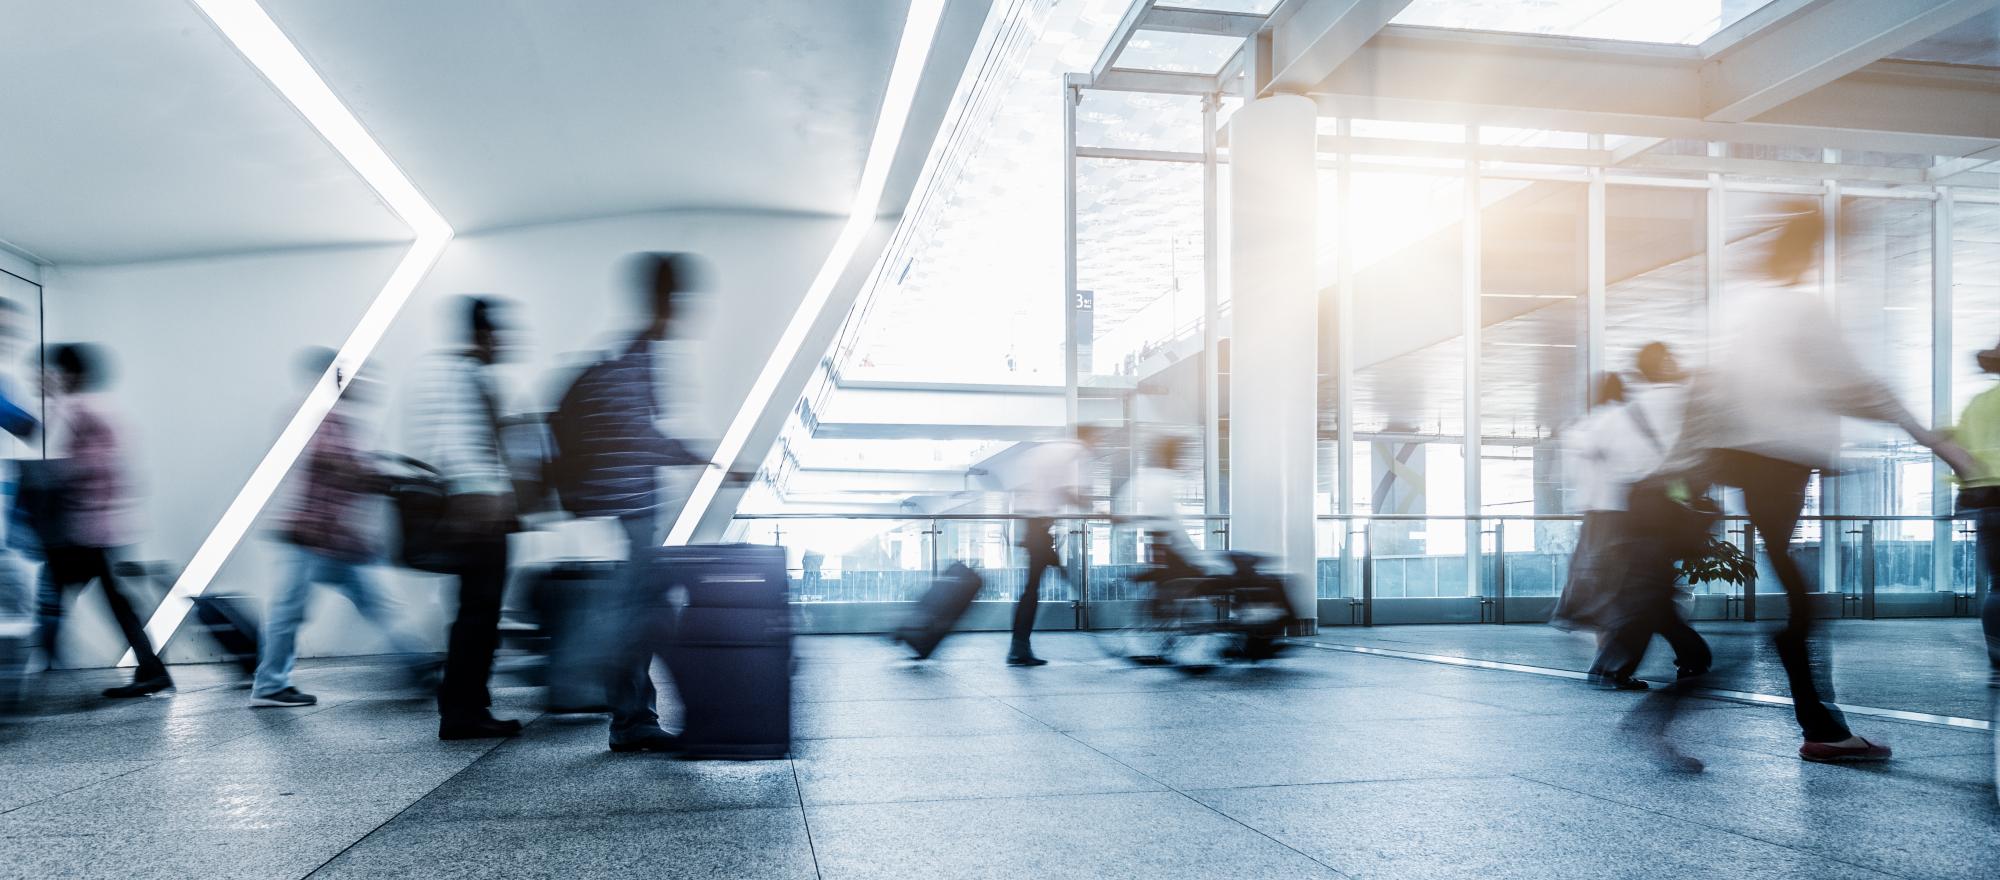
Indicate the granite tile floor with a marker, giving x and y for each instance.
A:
(1323, 764)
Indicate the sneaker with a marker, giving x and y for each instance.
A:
(645, 740)
(143, 687)
(288, 698)
(1829, 753)
(1025, 660)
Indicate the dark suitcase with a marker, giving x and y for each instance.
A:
(576, 609)
(227, 621)
(940, 609)
(730, 651)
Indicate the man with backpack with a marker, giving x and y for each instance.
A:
(609, 449)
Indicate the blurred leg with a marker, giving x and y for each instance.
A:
(97, 563)
(358, 583)
(475, 632)
(1041, 547)
(55, 578)
(282, 615)
(630, 690)
(1773, 494)
(1989, 548)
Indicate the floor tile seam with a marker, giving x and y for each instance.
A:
(1162, 788)
(415, 801)
(1196, 789)
(1198, 802)
(805, 818)
(1733, 832)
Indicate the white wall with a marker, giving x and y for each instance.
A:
(206, 351)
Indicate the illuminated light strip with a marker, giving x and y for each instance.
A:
(265, 46)
(912, 54)
(1754, 699)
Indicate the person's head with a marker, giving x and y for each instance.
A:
(485, 328)
(77, 367)
(1167, 452)
(1989, 359)
(1797, 246)
(1093, 436)
(1656, 363)
(1610, 389)
(663, 279)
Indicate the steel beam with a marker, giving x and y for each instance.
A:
(1309, 39)
(1214, 23)
(1816, 45)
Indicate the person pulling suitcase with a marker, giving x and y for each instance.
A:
(608, 451)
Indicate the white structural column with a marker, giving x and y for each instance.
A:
(1274, 356)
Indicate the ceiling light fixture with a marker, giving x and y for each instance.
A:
(912, 54)
(261, 42)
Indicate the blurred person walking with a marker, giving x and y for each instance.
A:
(87, 511)
(609, 451)
(1763, 417)
(334, 541)
(1978, 430)
(1053, 485)
(1629, 592)
(17, 595)
(455, 421)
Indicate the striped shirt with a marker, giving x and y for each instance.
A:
(619, 446)
(454, 425)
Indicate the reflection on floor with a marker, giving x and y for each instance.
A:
(1936, 666)
(1325, 764)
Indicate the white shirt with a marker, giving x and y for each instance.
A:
(1781, 382)
(1052, 474)
(1616, 446)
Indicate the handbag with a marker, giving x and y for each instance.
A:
(418, 496)
(44, 505)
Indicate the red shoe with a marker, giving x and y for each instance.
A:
(1828, 753)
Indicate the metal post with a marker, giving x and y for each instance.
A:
(1750, 589)
(1830, 502)
(1500, 571)
(1868, 570)
(1469, 315)
(1211, 332)
(1344, 299)
(1942, 235)
(1367, 577)
(1712, 261)
(1595, 272)
(1072, 95)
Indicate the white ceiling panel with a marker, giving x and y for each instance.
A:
(130, 130)
(508, 112)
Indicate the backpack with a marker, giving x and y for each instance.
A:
(566, 467)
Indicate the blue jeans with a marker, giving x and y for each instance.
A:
(287, 610)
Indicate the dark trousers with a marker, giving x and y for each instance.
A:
(475, 633)
(1989, 549)
(1773, 494)
(1041, 547)
(77, 567)
(630, 690)
(1625, 647)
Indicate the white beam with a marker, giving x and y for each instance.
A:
(1532, 81)
(1309, 39)
(1201, 21)
(1818, 44)
(1121, 35)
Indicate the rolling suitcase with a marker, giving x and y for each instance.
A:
(730, 651)
(940, 608)
(575, 605)
(232, 628)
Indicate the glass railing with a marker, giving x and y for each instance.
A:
(1376, 569)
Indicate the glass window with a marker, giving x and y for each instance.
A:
(1975, 297)
(1533, 280)
(1180, 53)
(1409, 359)
(1655, 263)
(1883, 297)
(1649, 21)
(1139, 259)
